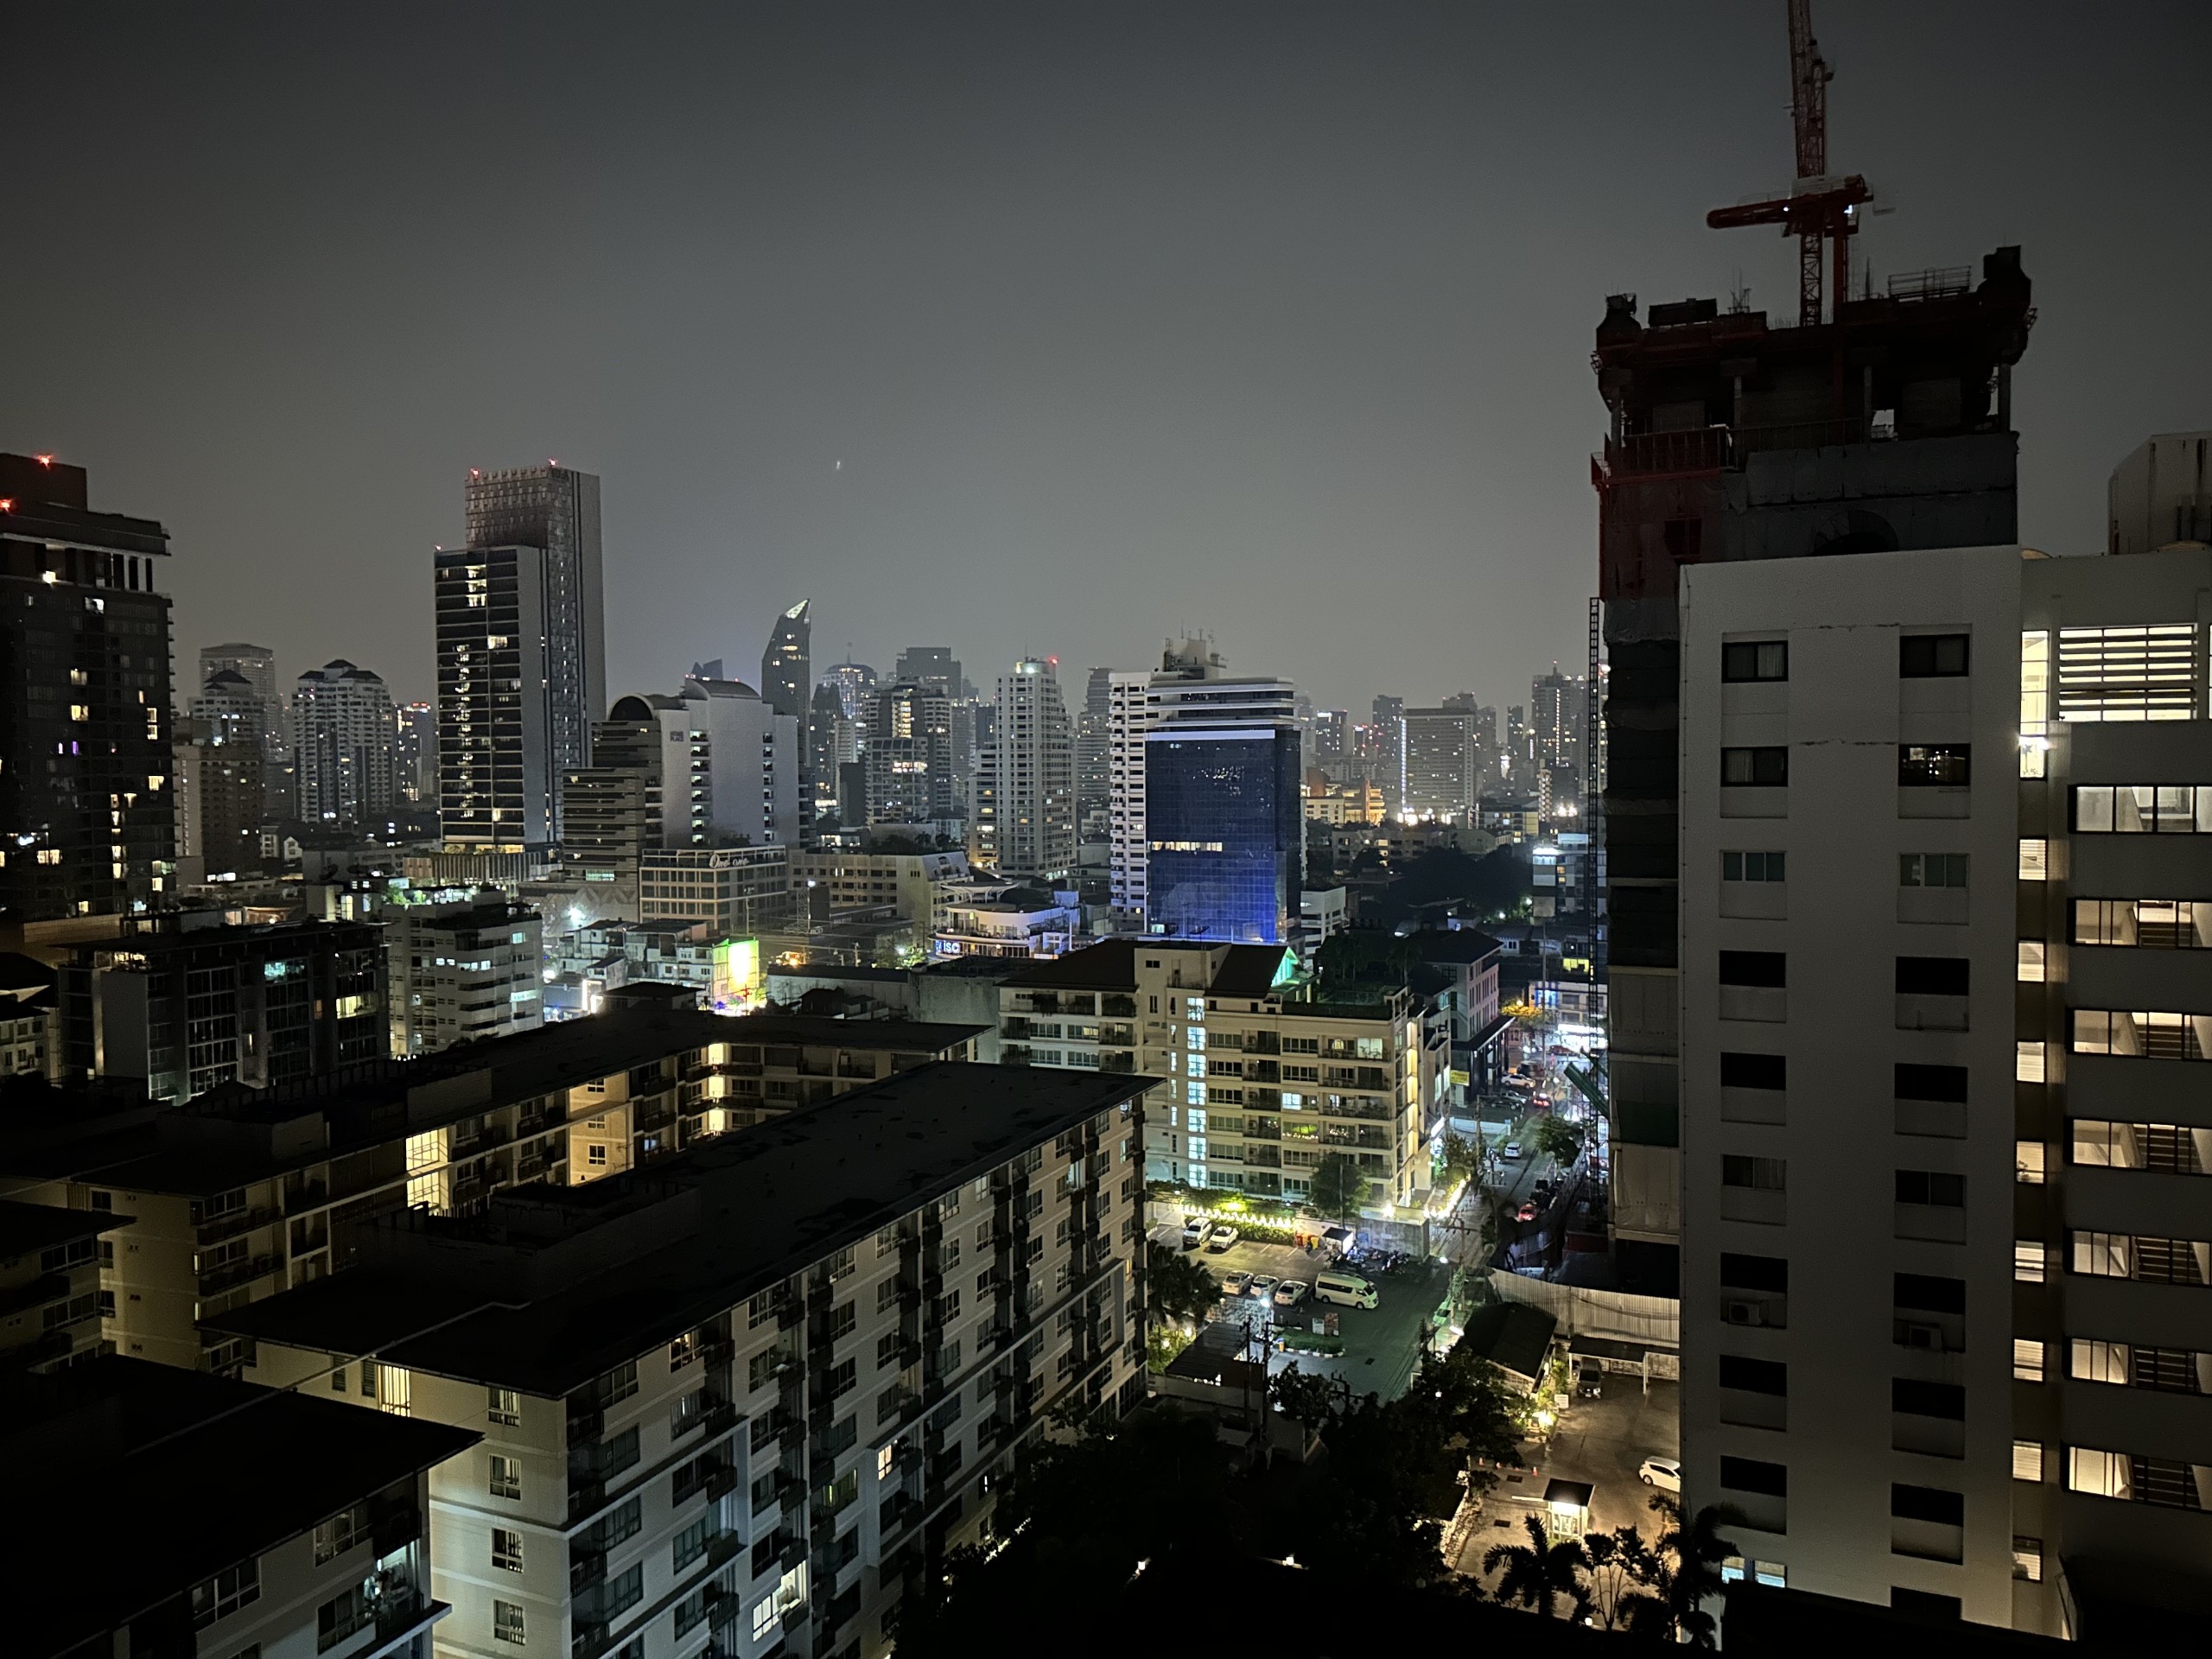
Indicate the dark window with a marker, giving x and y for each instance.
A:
(1754, 1071)
(1761, 969)
(1754, 768)
(1925, 1603)
(1766, 1174)
(1928, 1503)
(1750, 1475)
(1931, 975)
(1755, 1376)
(1930, 1295)
(1931, 1187)
(1931, 1083)
(1934, 764)
(1752, 866)
(1684, 539)
(1760, 659)
(1931, 656)
(1928, 1399)
(1768, 1273)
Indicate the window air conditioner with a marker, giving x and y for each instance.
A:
(1930, 1336)
(1746, 1314)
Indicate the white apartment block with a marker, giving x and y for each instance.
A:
(1025, 811)
(917, 884)
(1129, 716)
(461, 970)
(345, 734)
(746, 1405)
(1256, 1085)
(1946, 1232)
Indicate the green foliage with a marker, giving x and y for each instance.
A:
(1307, 1399)
(1076, 1519)
(1304, 1342)
(1338, 1189)
(1177, 1287)
(1539, 1572)
(1562, 1139)
(1459, 1157)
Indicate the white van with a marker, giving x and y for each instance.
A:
(1345, 1289)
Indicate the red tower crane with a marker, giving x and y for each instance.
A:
(1817, 206)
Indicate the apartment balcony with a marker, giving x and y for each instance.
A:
(235, 1274)
(230, 1226)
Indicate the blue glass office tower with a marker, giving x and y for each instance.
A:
(1225, 823)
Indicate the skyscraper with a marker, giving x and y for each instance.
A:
(1093, 731)
(85, 739)
(729, 764)
(932, 665)
(910, 756)
(521, 674)
(787, 666)
(854, 683)
(1024, 816)
(833, 740)
(1224, 813)
(1732, 439)
(223, 796)
(1439, 769)
(344, 736)
(416, 765)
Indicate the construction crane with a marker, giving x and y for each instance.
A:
(1818, 207)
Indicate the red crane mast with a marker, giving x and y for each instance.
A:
(1817, 208)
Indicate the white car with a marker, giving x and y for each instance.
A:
(1665, 1473)
(1237, 1284)
(1510, 1152)
(1220, 1239)
(1291, 1292)
(1195, 1231)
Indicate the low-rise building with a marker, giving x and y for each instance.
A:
(50, 1283)
(1263, 1084)
(777, 1063)
(988, 919)
(461, 970)
(287, 1524)
(739, 891)
(30, 1018)
(916, 884)
(748, 1402)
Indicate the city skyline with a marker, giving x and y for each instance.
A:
(743, 358)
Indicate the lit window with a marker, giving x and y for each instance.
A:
(506, 1549)
(2027, 1460)
(2027, 1162)
(2028, 1063)
(507, 1624)
(2028, 1260)
(2027, 1559)
(2027, 1360)
(2031, 964)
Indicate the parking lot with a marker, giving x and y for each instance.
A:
(1601, 1441)
(1381, 1343)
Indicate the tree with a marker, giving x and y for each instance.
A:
(1338, 1189)
(1620, 1565)
(1461, 1156)
(1179, 1289)
(1562, 1139)
(1539, 1572)
(1684, 1570)
(1309, 1399)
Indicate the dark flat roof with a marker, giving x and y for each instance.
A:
(27, 1227)
(772, 1200)
(906, 1036)
(1111, 965)
(1511, 1335)
(223, 1469)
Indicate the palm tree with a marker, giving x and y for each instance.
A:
(1179, 1289)
(1685, 1570)
(1620, 1564)
(1537, 1573)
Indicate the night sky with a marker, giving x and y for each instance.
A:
(1270, 321)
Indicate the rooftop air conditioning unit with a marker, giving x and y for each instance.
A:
(1746, 1314)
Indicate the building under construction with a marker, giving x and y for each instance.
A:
(1869, 423)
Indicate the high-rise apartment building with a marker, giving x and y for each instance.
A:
(218, 802)
(1094, 747)
(345, 738)
(1224, 824)
(1888, 426)
(729, 764)
(932, 665)
(414, 757)
(613, 810)
(235, 716)
(854, 683)
(462, 969)
(787, 663)
(910, 756)
(756, 1395)
(834, 739)
(85, 738)
(1025, 818)
(521, 655)
(1129, 716)
(1258, 1084)
(1559, 710)
(1386, 746)
(250, 699)
(1439, 765)
(1942, 1134)
(188, 1008)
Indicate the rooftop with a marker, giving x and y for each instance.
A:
(904, 1036)
(235, 1470)
(1512, 1336)
(27, 1227)
(498, 1299)
(1245, 971)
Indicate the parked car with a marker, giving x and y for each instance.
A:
(1195, 1230)
(1345, 1289)
(1220, 1239)
(1526, 1212)
(1510, 1152)
(1263, 1285)
(1292, 1292)
(1665, 1473)
(1237, 1284)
